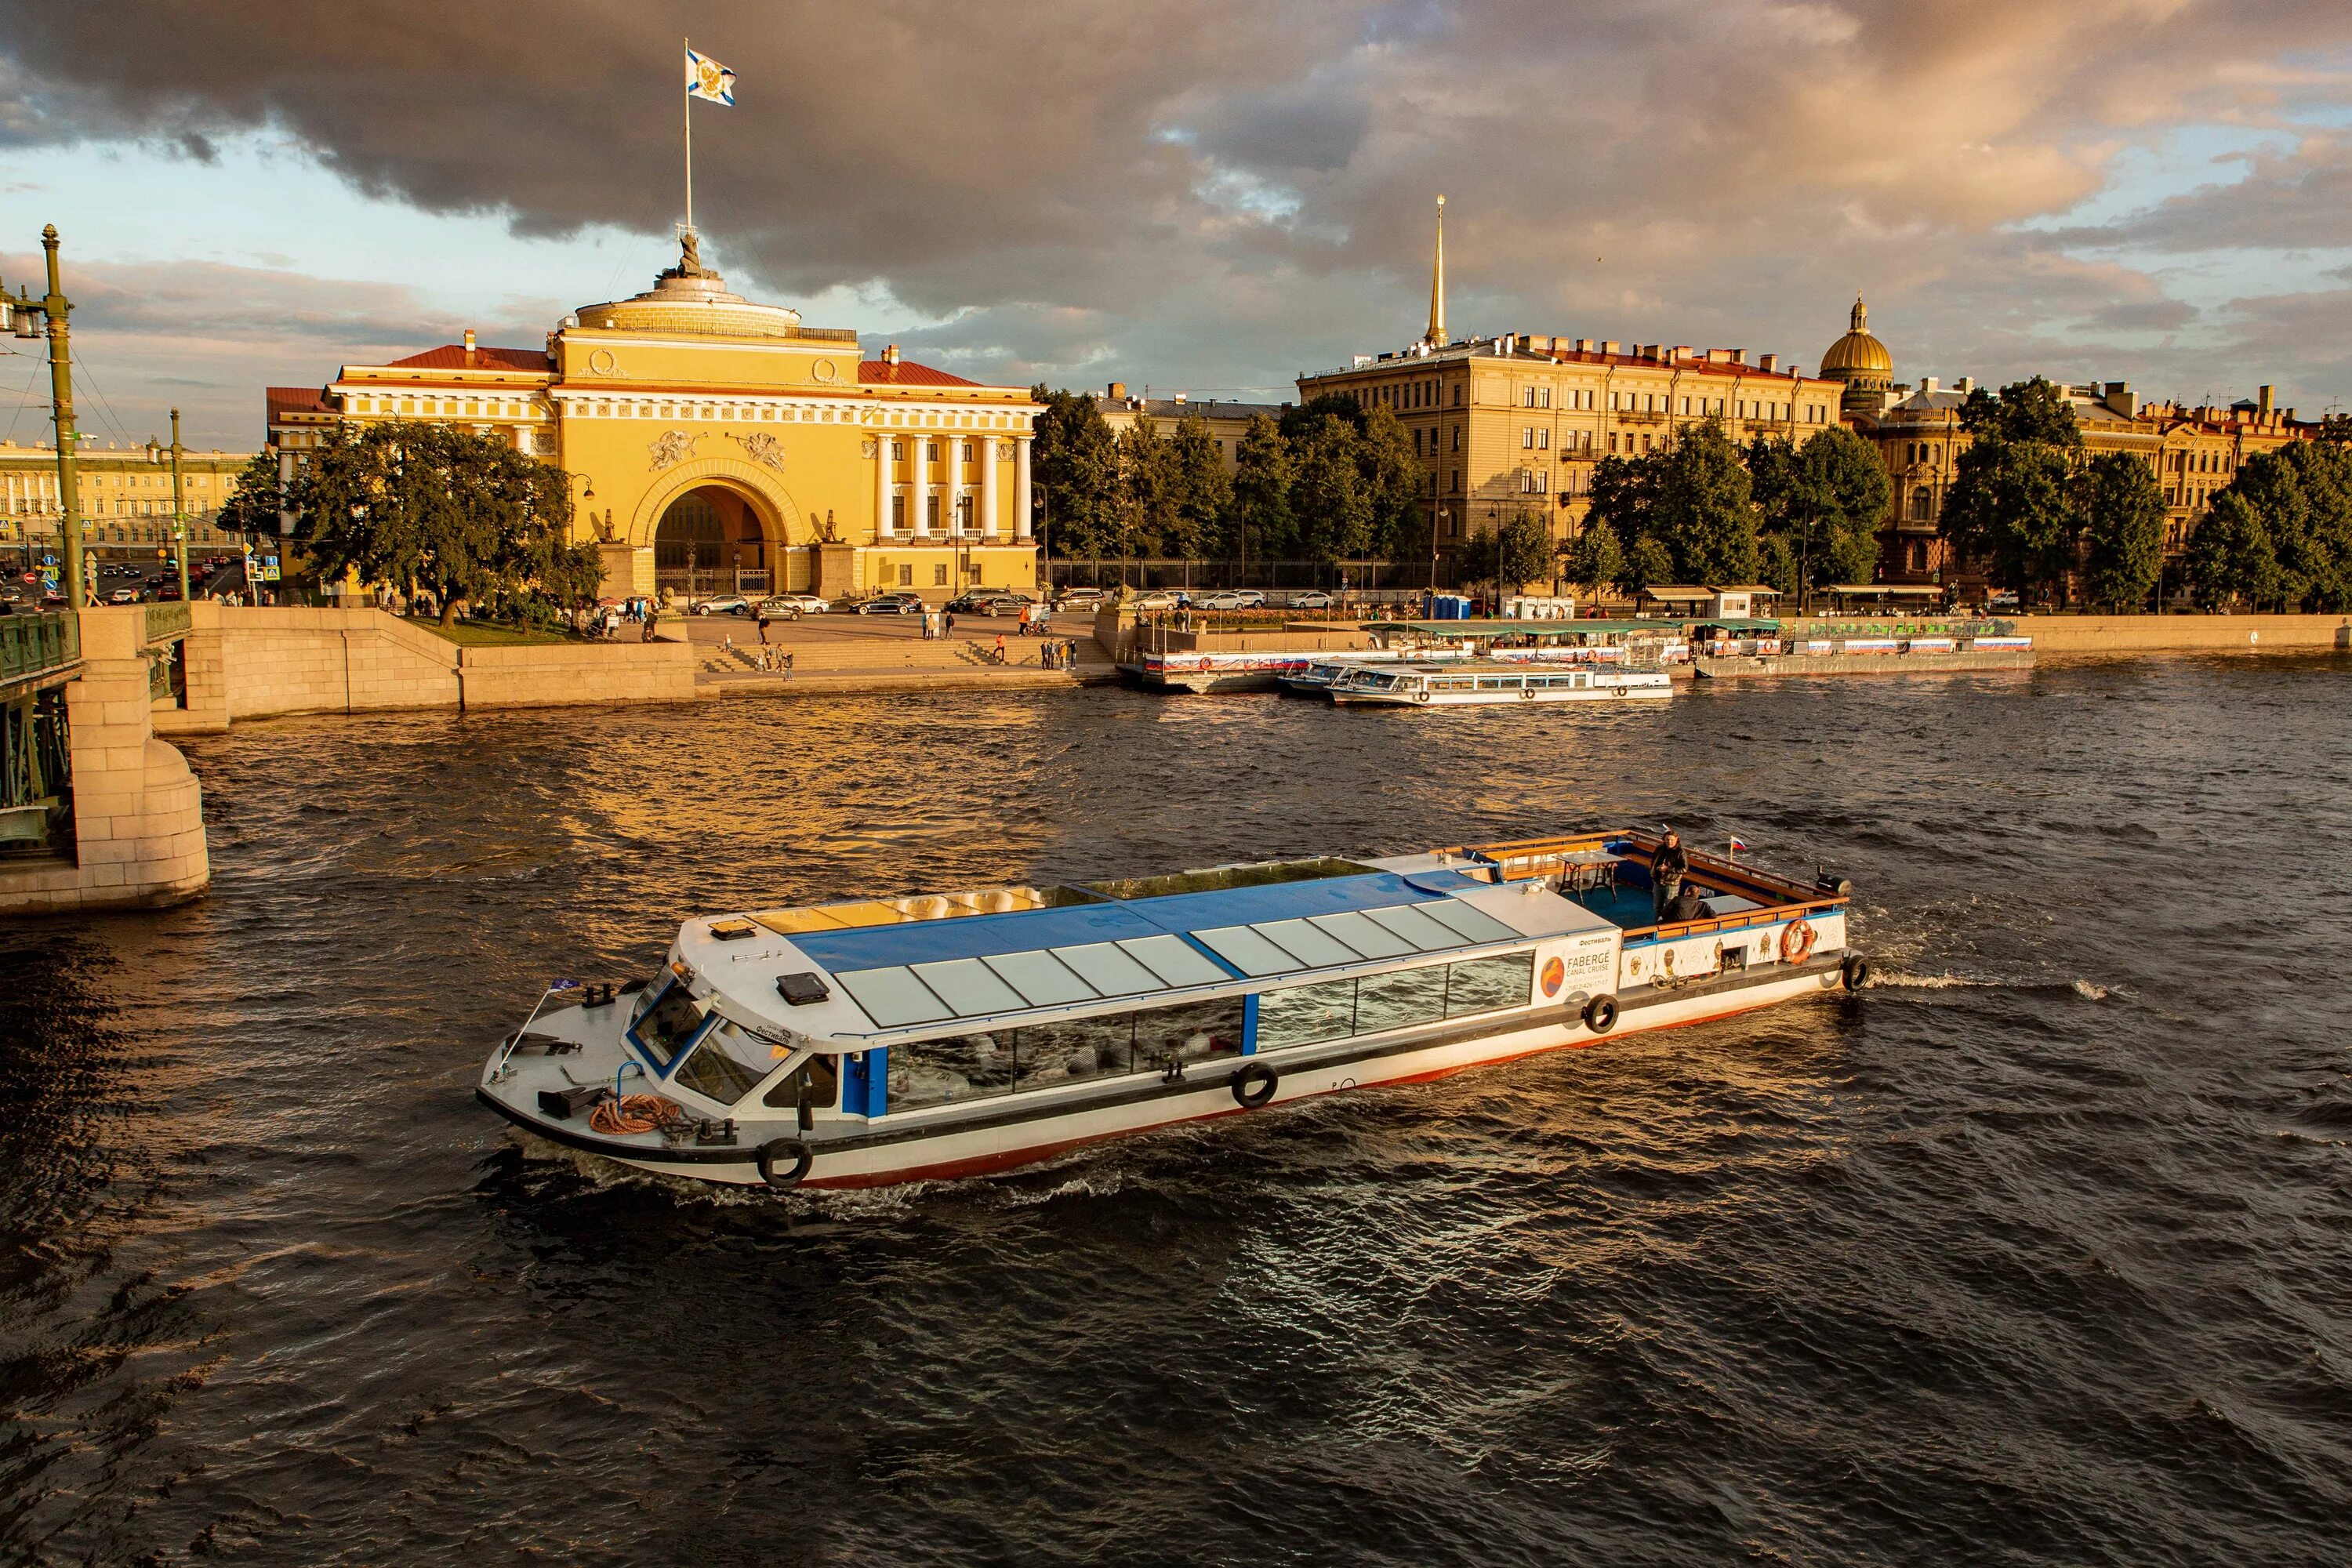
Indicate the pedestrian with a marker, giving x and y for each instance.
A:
(653, 618)
(763, 625)
(788, 664)
(999, 647)
(1668, 867)
(948, 620)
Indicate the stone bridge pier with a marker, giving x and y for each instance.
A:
(96, 813)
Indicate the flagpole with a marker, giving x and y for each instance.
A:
(689, 152)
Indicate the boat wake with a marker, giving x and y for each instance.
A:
(1899, 980)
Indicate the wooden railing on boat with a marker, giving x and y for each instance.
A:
(1522, 859)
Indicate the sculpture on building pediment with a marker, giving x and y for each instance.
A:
(1005, 451)
(866, 448)
(671, 447)
(763, 449)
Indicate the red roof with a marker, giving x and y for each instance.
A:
(286, 400)
(906, 372)
(457, 356)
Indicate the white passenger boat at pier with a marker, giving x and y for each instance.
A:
(1496, 682)
(864, 1044)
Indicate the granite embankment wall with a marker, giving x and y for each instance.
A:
(258, 663)
(2185, 633)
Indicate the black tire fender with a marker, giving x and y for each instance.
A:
(1856, 971)
(782, 1161)
(1254, 1084)
(1601, 1014)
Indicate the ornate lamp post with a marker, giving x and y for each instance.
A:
(32, 316)
(179, 507)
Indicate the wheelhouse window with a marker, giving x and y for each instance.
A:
(668, 1025)
(727, 1065)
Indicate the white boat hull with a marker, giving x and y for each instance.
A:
(901, 1149)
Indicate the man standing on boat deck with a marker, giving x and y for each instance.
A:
(1668, 867)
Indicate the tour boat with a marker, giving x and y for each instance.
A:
(851, 1044)
(1489, 682)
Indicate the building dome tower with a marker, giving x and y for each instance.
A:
(1863, 364)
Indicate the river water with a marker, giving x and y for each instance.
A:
(2040, 1251)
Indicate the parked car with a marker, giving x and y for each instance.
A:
(783, 607)
(1251, 599)
(722, 605)
(1227, 600)
(1080, 599)
(1312, 599)
(123, 597)
(972, 603)
(806, 603)
(1158, 599)
(892, 604)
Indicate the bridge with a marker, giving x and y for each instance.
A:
(95, 812)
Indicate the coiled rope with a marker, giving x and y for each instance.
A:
(634, 1113)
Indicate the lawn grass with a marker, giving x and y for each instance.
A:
(477, 634)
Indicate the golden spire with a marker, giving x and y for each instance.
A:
(1861, 316)
(1436, 336)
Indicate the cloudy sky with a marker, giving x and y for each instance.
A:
(1211, 195)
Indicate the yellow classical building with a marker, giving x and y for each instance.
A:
(717, 445)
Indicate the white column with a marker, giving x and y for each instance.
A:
(1021, 522)
(881, 484)
(988, 486)
(918, 487)
(951, 448)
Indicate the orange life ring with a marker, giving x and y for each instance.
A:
(1797, 942)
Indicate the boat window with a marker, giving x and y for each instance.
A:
(1041, 1055)
(1401, 999)
(668, 1025)
(1306, 1014)
(1487, 984)
(728, 1065)
(822, 1078)
(1200, 1032)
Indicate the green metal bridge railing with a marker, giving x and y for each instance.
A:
(32, 646)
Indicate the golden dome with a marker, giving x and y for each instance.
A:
(1858, 352)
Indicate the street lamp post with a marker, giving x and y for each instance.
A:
(52, 310)
(179, 506)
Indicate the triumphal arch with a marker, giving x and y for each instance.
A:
(716, 445)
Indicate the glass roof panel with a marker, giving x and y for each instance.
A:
(1313, 947)
(1101, 965)
(1246, 951)
(894, 996)
(969, 986)
(1475, 924)
(1174, 960)
(1045, 981)
(1407, 921)
(1370, 939)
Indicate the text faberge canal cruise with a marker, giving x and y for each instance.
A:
(863, 1044)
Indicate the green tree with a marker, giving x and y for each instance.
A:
(1594, 560)
(1074, 458)
(1335, 515)
(1523, 553)
(1262, 492)
(2302, 495)
(1203, 493)
(1822, 506)
(2230, 557)
(2013, 508)
(1392, 487)
(433, 506)
(254, 506)
(1146, 482)
(1647, 563)
(1702, 510)
(2123, 530)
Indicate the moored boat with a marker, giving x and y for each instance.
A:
(1494, 682)
(881, 1041)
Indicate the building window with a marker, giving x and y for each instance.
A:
(940, 576)
(1543, 440)
(1456, 485)
(905, 576)
(1457, 395)
(931, 512)
(1543, 397)
(1457, 438)
(897, 514)
(1923, 505)
(1526, 438)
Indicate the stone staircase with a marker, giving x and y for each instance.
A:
(880, 655)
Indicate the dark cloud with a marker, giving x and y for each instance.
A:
(1225, 192)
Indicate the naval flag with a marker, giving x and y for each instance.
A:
(707, 78)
